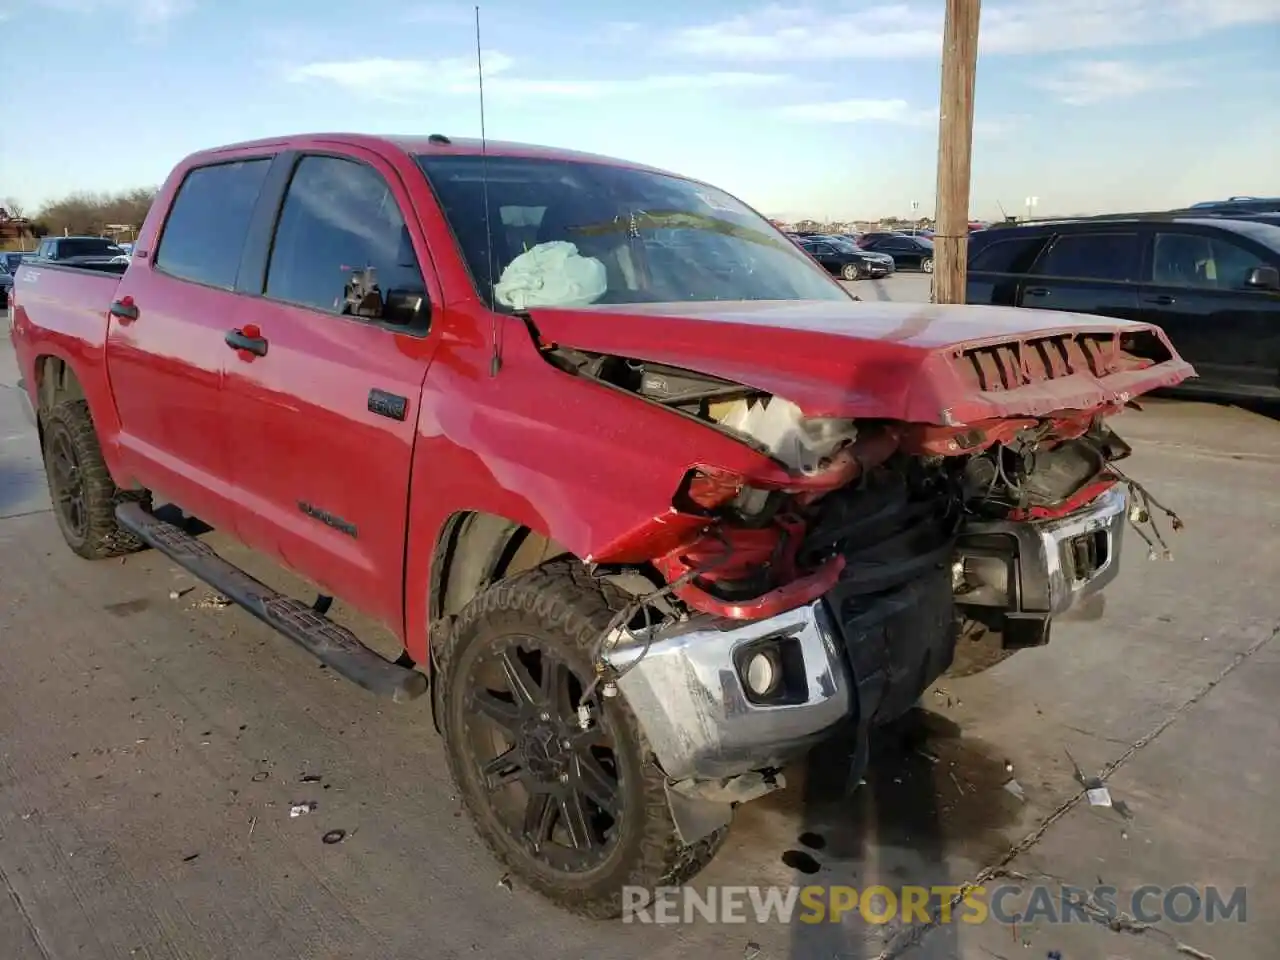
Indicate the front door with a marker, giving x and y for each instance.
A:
(1228, 331)
(324, 389)
(165, 351)
(1086, 272)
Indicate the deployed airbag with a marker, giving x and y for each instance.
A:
(551, 274)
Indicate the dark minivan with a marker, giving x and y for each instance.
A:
(1212, 284)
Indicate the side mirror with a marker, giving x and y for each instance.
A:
(1263, 278)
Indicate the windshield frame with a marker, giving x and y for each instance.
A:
(759, 224)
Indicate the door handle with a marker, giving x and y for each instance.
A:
(248, 338)
(124, 310)
(1163, 299)
(1037, 291)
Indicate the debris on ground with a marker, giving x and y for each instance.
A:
(213, 601)
(260, 776)
(1008, 766)
(334, 836)
(1096, 791)
(751, 950)
(189, 857)
(252, 823)
(302, 809)
(1014, 787)
(504, 882)
(310, 778)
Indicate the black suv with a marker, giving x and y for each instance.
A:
(1212, 284)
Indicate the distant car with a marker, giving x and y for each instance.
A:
(848, 244)
(914, 252)
(843, 260)
(13, 260)
(1210, 282)
(1238, 205)
(6, 285)
(79, 251)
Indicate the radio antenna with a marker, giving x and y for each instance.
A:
(495, 352)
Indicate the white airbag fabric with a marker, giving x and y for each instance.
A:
(551, 275)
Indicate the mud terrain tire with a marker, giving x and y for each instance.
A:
(560, 609)
(84, 495)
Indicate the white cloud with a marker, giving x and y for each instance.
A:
(1093, 81)
(861, 111)
(889, 111)
(385, 79)
(912, 28)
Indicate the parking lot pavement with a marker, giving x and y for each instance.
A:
(150, 749)
(906, 286)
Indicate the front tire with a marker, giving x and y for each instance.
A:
(84, 495)
(927, 264)
(850, 271)
(576, 815)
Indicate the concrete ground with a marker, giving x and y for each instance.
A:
(150, 749)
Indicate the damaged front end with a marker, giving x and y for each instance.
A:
(829, 593)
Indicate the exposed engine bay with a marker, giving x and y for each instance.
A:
(873, 504)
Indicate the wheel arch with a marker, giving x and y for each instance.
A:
(476, 548)
(56, 380)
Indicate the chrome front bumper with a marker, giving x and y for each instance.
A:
(1055, 566)
(691, 700)
(685, 682)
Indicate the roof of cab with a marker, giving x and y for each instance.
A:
(424, 144)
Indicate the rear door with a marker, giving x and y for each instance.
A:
(1196, 291)
(324, 414)
(165, 349)
(997, 265)
(1087, 271)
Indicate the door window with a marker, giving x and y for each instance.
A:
(1013, 255)
(1092, 256)
(341, 245)
(1195, 260)
(208, 223)
(825, 249)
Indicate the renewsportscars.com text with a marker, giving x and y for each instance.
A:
(1004, 904)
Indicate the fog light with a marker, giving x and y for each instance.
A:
(763, 673)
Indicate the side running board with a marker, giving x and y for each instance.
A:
(330, 643)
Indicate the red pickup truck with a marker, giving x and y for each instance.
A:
(652, 503)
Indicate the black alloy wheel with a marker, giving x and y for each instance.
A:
(578, 813)
(83, 492)
(66, 483)
(553, 785)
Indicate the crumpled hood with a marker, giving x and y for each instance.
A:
(923, 363)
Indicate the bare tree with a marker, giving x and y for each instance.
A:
(13, 207)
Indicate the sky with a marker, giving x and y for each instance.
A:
(826, 111)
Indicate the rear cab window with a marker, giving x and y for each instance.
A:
(342, 246)
(1108, 256)
(208, 222)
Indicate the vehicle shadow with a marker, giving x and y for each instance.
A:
(932, 800)
(23, 488)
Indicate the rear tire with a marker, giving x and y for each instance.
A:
(927, 264)
(532, 782)
(84, 495)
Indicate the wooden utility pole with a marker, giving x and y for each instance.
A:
(955, 150)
